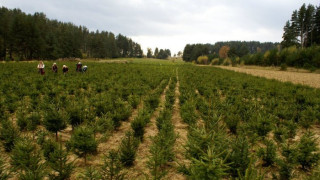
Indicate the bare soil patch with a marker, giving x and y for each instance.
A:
(300, 77)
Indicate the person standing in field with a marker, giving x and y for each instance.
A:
(79, 67)
(65, 69)
(41, 67)
(55, 68)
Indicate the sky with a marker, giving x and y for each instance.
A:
(171, 24)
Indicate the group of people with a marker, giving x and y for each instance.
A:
(65, 69)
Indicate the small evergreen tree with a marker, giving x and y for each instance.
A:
(156, 162)
(8, 135)
(308, 151)
(268, 154)
(26, 158)
(54, 121)
(239, 157)
(90, 173)
(128, 149)
(58, 161)
(209, 166)
(137, 126)
(251, 172)
(82, 142)
(48, 147)
(76, 116)
(263, 125)
(112, 167)
(288, 163)
(33, 120)
(22, 121)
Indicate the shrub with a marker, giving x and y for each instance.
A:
(215, 61)
(202, 60)
(283, 67)
(227, 62)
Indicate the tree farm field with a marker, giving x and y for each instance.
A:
(154, 119)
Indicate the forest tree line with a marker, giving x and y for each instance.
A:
(158, 54)
(303, 30)
(25, 37)
(237, 49)
(299, 47)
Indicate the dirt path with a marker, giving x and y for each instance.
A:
(181, 129)
(309, 79)
(140, 169)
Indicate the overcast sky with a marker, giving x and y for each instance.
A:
(172, 24)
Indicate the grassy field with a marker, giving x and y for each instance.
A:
(154, 119)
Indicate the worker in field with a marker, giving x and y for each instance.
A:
(54, 68)
(79, 67)
(84, 69)
(41, 67)
(65, 69)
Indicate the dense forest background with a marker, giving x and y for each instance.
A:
(299, 47)
(25, 37)
(236, 48)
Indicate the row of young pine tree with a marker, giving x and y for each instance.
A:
(25, 36)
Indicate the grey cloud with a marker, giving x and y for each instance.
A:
(183, 20)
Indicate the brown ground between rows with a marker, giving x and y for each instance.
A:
(140, 170)
(181, 129)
